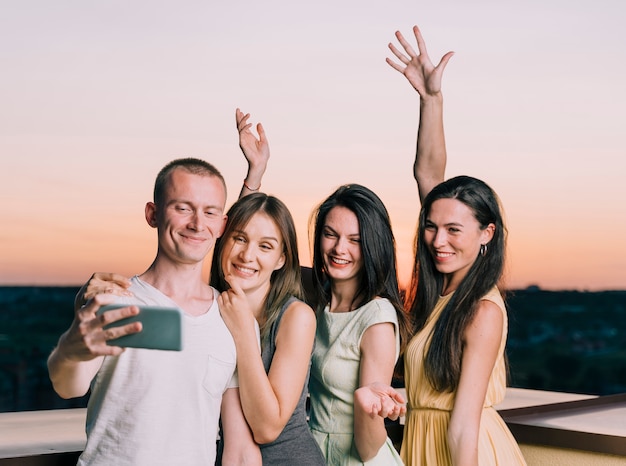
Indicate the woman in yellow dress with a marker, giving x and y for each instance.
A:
(455, 368)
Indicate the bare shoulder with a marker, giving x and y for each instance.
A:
(296, 332)
(299, 310)
(487, 322)
(298, 316)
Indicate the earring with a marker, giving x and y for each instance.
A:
(483, 250)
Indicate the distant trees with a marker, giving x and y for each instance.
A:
(567, 341)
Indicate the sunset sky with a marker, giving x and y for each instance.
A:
(97, 96)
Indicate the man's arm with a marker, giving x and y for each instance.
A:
(239, 446)
(430, 155)
(78, 355)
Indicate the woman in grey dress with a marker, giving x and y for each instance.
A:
(256, 262)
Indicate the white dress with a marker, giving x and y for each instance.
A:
(335, 376)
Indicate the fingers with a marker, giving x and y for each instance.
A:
(235, 288)
(235, 311)
(111, 332)
(118, 331)
(113, 315)
(241, 129)
(99, 287)
(444, 61)
(408, 50)
(101, 282)
(225, 298)
(393, 416)
(261, 131)
(396, 396)
(242, 120)
(391, 409)
(115, 279)
(381, 400)
(92, 331)
(407, 47)
(398, 54)
(88, 310)
(421, 45)
(103, 319)
(394, 65)
(238, 116)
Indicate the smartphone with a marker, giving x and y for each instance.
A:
(162, 328)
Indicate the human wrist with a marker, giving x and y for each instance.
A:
(251, 186)
(431, 99)
(253, 178)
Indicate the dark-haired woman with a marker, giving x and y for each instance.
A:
(455, 368)
(361, 328)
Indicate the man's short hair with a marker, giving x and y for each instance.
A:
(191, 165)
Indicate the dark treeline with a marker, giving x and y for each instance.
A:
(566, 341)
(31, 321)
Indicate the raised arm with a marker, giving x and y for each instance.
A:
(256, 150)
(430, 156)
(77, 357)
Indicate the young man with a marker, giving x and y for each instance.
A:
(161, 407)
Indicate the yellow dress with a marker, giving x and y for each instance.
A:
(425, 440)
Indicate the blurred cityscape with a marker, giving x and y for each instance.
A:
(566, 341)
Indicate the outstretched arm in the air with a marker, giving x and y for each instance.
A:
(256, 150)
(430, 156)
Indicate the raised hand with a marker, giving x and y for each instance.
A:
(430, 157)
(417, 67)
(87, 338)
(77, 357)
(255, 150)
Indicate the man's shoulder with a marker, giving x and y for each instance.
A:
(145, 293)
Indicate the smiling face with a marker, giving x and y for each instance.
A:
(253, 252)
(340, 245)
(190, 217)
(453, 236)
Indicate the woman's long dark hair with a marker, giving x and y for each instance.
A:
(284, 282)
(378, 275)
(443, 358)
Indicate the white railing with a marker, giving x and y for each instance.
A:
(551, 427)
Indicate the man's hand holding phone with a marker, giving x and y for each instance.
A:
(87, 337)
(160, 327)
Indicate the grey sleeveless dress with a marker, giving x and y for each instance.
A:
(295, 444)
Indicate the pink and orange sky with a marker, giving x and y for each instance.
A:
(98, 96)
